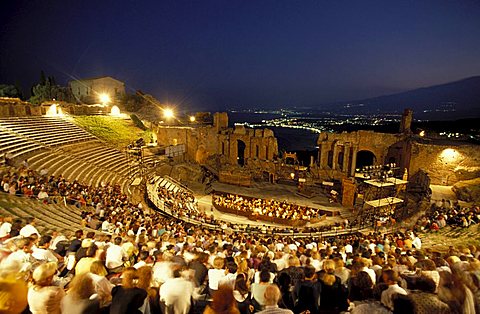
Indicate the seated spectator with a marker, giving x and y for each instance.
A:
(390, 277)
(241, 293)
(258, 289)
(307, 292)
(115, 256)
(103, 287)
(81, 298)
(216, 274)
(223, 302)
(176, 294)
(42, 252)
(127, 298)
(29, 228)
(422, 299)
(361, 287)
(5, 228)
(272, 296)
(22, 254)
(43, 296)
(85, 263)
(333, 295)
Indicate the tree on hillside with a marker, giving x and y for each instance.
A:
(10, 91)
(133, 102)
(47, 89)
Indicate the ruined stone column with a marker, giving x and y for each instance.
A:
(335, 155)
(323, 155)
(346, 158)
(354, 159)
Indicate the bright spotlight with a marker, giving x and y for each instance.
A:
(168, 113)
(104, 98)
(52, 111)
(192, 118)
(115, 111)
(449, 155)
(422, 133)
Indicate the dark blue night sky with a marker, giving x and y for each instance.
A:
(228, 54)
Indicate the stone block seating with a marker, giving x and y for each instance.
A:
(51, 217)
(61, 147)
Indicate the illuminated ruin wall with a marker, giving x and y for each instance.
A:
(446, 164)
(234, 146)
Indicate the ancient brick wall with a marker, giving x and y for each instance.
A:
(446, 164)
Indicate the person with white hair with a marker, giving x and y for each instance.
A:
(43, 296)
(271, 296)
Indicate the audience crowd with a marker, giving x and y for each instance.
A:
(183, 203)
(127, 260)
(446, 213)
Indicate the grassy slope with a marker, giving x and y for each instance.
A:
(116, 131)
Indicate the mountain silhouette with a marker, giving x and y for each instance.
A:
(450, 100)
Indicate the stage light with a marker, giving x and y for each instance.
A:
(422, 133)
(192, 119)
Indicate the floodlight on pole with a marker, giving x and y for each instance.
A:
(168, 113)
(104, 98)
(192, 119)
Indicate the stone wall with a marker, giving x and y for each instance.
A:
(446, 164)
(14, 107)
(338, 151)
(204, 142)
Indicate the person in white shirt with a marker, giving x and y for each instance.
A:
(416, 242)
(177, 294)
(5, 228)
(162, 268)
(6, 187)
(22, 255)
(216, 274)
(105, 225)
(29, 229)
(231, 276)
(142, 259)
(43, 253)
(115, 256)
(390, 277)
(369, 271)
(42, 194)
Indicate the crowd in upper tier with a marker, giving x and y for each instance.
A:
(266, 207)
(183, 203)
(446, 213)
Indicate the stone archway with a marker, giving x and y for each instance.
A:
(365, 158)
(28, 110)
(11, 111)
(241, 152)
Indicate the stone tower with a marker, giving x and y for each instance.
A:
(220, 121)
(405, 126)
